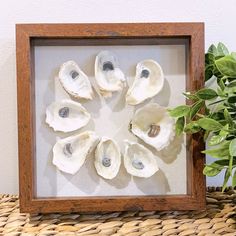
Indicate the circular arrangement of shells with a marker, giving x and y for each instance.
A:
(150, 123)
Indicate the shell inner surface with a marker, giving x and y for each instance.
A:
(154, 130)
(107, 66)
(145, 73)
(74, 74)
(64, 112)
(67, 150)
(137, 164)
(153, 125)
(106, 161)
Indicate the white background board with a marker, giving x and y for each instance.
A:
(110, 117)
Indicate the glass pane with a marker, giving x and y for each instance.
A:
(110, 117)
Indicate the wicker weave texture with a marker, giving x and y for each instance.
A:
(218, 219)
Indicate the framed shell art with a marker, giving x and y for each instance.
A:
(95, 133)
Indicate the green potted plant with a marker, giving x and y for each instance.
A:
(218, 121)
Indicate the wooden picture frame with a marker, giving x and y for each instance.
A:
(29, 35)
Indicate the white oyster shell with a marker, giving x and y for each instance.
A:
(108, 75)
(75, 81)
(153, 125)
(139, 161)
(149, 81)
(70, 153)
(66, 115)
(107, 158)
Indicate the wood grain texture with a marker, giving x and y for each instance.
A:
(29, 35)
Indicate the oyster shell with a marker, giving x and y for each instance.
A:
(108, 75)
(153, 125)
(75, 81)
(107, 158)
(70, 153)
(66, 116)
(139, 161)
(149, 81)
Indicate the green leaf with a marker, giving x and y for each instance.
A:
(232, 99)
(232, 147)
(215, 168)
(228, 117)
(212, 49)
(180, 111)
(233, 54)
(216, 72)
(207, 111)
(217, 153)
(207, 94)
(206, 135)
(209, 124)
(220, 82)
(234, 179)
(229, 91)
(222, 49)
(215, 139)
(222, 162)
(226, 179)
(224, 132)
(221, 152)
(209, 59)
(208, 72)
(179, 125)
(190, 96)
(220, 92)
(195, 108)
(218, 57)
(192, 127)
(231, 84)
(217, 115)
(211, 171)
(227, 66)
(231, 158)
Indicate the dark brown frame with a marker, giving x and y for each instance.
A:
(28, 35)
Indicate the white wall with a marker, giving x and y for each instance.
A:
(219, 21)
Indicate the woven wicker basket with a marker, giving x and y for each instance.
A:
(218, 219)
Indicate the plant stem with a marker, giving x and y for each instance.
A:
(216, 102)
